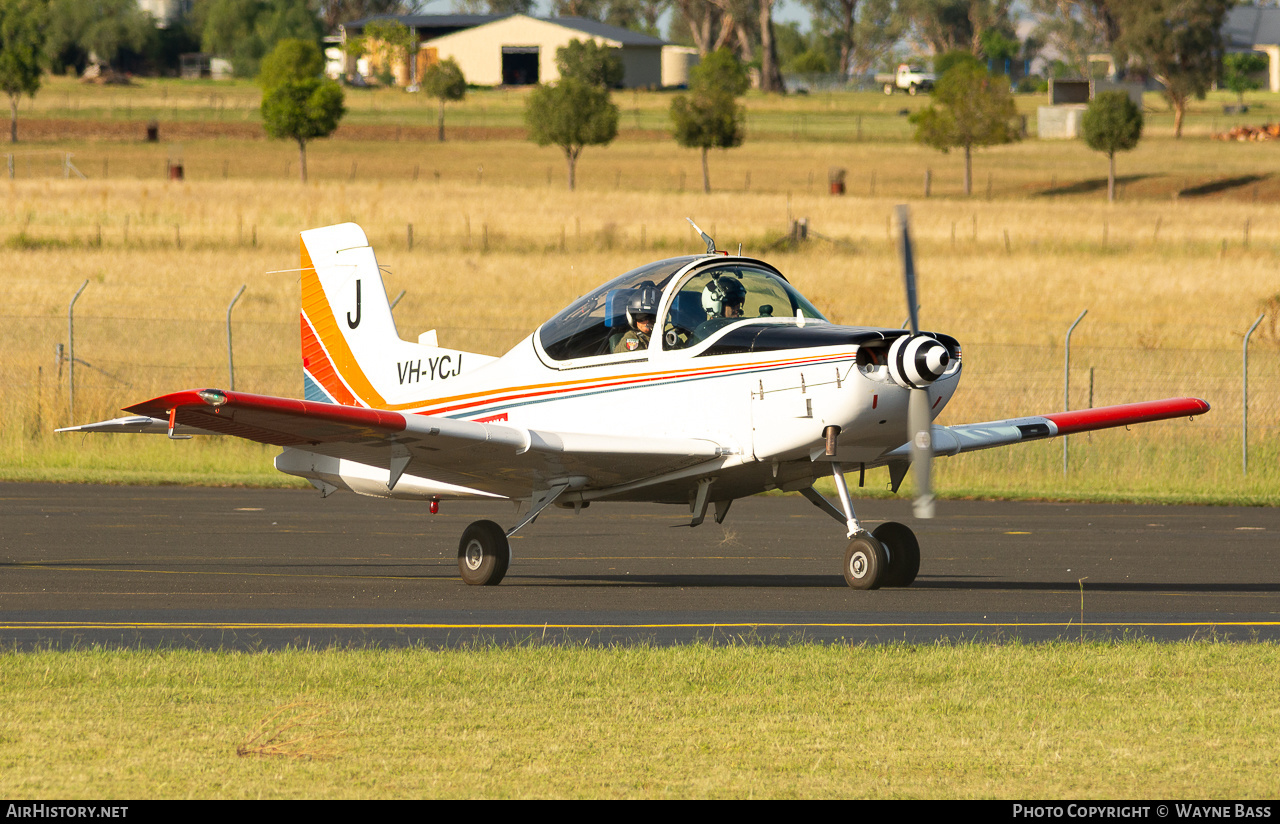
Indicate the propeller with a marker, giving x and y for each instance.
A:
(915, 362)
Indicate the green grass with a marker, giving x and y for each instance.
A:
(821, 116)
(1063, 720)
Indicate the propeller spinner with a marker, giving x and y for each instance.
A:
(915, 362)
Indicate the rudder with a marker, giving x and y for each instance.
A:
(345, 317)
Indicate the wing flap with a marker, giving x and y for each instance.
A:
(493, 458)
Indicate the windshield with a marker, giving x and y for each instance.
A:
(594, 323)
(721, 295)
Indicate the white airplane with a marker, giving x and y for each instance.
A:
(695, 380)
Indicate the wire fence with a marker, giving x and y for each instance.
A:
(124, 360)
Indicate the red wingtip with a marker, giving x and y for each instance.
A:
(1104, 417)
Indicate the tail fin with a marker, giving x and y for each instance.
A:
(351, 352)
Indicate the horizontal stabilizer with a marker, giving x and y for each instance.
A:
(136, 424)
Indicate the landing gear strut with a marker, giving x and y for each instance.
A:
(887, 557)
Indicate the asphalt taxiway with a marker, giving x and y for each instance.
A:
(248, 569)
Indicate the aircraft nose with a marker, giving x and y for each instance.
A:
(915, 361)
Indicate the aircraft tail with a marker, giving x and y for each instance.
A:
(351, 351)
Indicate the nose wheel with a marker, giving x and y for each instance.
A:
(887, 557)
(483, 554)
(904, 553)
(865, 562)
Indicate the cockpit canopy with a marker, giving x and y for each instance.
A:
(701, 296)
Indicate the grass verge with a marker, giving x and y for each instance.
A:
(1097, 720)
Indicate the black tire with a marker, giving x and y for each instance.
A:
(483, 554)
(865, 562)
(904, 553)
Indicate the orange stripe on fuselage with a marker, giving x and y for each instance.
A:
(317, 312)
(514, 393)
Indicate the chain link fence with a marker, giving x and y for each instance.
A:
(122, 360)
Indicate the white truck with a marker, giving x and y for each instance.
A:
(911, 79)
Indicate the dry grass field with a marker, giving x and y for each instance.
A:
(1172, 276)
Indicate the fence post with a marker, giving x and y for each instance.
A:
(71, 354)
(1244, 403)
(1066, 386)
(231, 363)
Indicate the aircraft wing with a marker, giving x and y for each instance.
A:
(952, 440)
(502, 460)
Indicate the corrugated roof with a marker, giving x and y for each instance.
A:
(1247, 26)
(440, 24)
(431, 21)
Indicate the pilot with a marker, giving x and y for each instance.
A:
(723, 297)
(642, 308)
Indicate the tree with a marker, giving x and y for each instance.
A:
(21, 45)
(571, 114)
(394, 42)
(102, 28)
(291, 59)
(591, 63)
(944, 63)
(336, 12)
(1238, 70)
(302, 110)
(1178, 42)
(709, 117)
(720, 72)
(976, 110)
(1112, 123)
(770, 67)
(1075, 29)
(948, 25)
(864, 30)
(496, 6)
(637, 15)
(810, 62)
(244, 31)
(444, 82)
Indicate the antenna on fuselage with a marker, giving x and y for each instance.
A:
(711, 244)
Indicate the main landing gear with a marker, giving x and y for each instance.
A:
(888, 556)
(483, 554)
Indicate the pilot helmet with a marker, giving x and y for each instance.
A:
(643, 302)
(722, 291)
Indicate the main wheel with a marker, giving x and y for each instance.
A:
(888, 88)
(483, 554)
(865, 562)
(913, 90)
(904, 553)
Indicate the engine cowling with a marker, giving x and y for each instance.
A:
(915, 361)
